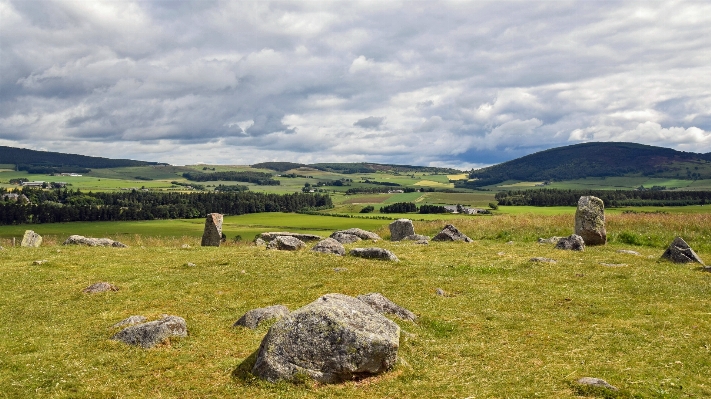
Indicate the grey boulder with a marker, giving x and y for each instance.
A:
(450, 233)
(400, 229)
(148, 335)
(596, 382)
(335, 338)
(383, 305)
(329, 246)
(286, 243)
(374, 253)
(93, 242)
(345, 238)
(590, 220)
(572, 243)
(253, 318)
(680, 252)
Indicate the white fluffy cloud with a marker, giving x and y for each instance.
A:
(440, 83)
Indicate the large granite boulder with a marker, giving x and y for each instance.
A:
(360, 233)
(400, 229)
(573, 243)
(286, 243)
(590, 220)
(31, 239)
(271, 236)
(344, 238)
(680, 252)
(147, 335)
(450, 233)
(253, 318)
(374, 253)
(329, 246)
(212, 235)
(383, 305)
(93, 242)
(335, 338)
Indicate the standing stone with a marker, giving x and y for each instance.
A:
(680, 252)
(400, 229)
(212, 236)
(31, 239)
(590, 220)
(335, 338)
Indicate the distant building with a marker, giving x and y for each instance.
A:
(395, 191)
(15, 197)
(70, 174)
(33, 183)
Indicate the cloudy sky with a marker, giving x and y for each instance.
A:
(455, 83)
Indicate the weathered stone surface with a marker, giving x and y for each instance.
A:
(329, 246)
(147, 335)
(628, 252)
(31, 239)
(286, 243)
(360, 233)
(544, 260)
(345, 238)
(253, 318)
(400, 229)
(130, 321)
(333, 339)
(93, 242)
(271, 236)
(573, 243)
(450, 233)
(383, 305)
(259, 242)
(416, 237)
(590, 220)
(680, 252)
(374, 253)
(212, 235)
(100, 287)
(551, 240)
(596, 382)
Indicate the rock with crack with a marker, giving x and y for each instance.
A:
(329, 246)
(333, 339)
(148, 335)
(680, 252)
(450, 233)
(253, 318)
(384, 305)
(286, 243)
(374, 253)
(572, 243)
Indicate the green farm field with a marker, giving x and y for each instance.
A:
(507, 327)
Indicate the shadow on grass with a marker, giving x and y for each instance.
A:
(243, 372)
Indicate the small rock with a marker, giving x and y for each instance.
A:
(416, 237)
(422, 242)
(93, 242)
(400, 229)
(212, 234)
(344, 238)
(552, 240)
(286, 243)
(329, 246)
(509, 243)
(39, 262)
(100, 287)
(680, 252)
(571, 243)
(596, 382)
(185, 246)
(374, 253)
(544, 260)
(440, 292)
(383, 305)
(340, 269)
(150, 334)
(129, 321)
(190, 264)
(501, 253)
(450, 233)
(628, 252)
(31, 239)
(253, 318)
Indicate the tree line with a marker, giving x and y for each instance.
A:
(260, 178)
(611, 198)
(51, 206)
(410, 207)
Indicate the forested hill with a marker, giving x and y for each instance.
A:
(585, 160)
(364, 167)
(58, 160)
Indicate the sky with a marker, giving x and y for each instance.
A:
(453, 83)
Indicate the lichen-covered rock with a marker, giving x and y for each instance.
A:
(345, 238)
(451, 233)
(400, 229)
(130, 321)
(31, 239)
(680, 252)
(259, 242)
(360, 233)
(383, 305)
(335, 338)
(100, 287)
(374, 253)
(286, 243)
(253, 318)
(147, 335)
(572, 243)
(329, 246)
(271, 236)
(596, 382)
(212, 234)
(590, 220)
(93, 242)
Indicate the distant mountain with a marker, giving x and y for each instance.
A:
(592, 160)
(47, 162)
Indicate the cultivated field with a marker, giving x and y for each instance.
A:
(507, 328)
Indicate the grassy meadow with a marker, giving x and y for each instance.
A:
(507, 328)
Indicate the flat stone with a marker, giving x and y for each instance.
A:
(400, 229)
(31, 239)
(100, 287)
(212, 234)
(680, 252)
(360, 233)
(329, 246)
(253, 318)
(416, 237)
(148, 335)
(270, 236)
(286, 243)
(596, 382)
(544, 260)
(374, 253)
(628, 252)
(383, 305)
(93, 242)
(613, 264)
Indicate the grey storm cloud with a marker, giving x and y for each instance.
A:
(461, 83)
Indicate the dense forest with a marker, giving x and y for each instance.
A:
(611, 198)
(53, 162)
(260, 178)
(583, 160)
(50, 206)
(408, 207)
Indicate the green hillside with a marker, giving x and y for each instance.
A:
(48, 162)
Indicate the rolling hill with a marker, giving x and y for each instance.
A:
(596, 160)
(47, 162)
